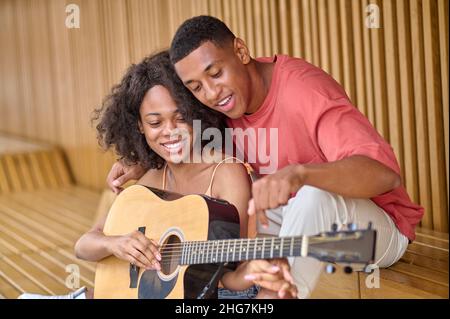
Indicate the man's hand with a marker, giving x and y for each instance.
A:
(272, 275)
(356, 176)
(274, 190)
(121, 173)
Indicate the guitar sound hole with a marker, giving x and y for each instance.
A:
(171, 254)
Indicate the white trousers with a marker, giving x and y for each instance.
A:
(312, 211)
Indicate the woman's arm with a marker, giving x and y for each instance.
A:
(94, 245)
(133, 247)
(232, 183)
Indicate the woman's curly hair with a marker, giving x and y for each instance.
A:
(119, 114)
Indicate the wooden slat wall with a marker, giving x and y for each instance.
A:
(397, 75)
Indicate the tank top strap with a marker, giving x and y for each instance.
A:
(247, 166)
(164, 177)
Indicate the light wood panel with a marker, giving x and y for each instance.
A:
(443, 46)
(434, 110)
(368, 62)
(407, 99)
(397, 75)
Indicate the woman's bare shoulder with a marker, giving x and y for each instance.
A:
(231, 175)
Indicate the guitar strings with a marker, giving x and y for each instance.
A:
(207, 251)
(178, 250)
(235, 244)
(199, 260)
(311, 240)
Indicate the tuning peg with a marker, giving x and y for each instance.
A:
(334, 227)
(348, 269)
(330, 269)
(352, 226)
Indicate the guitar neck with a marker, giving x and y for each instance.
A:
(232, 250)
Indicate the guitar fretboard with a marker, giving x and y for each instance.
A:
(220, 251)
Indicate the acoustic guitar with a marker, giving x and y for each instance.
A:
(199, 238)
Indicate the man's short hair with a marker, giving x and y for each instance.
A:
(194, 32)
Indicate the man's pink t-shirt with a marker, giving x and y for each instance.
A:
(317, 123)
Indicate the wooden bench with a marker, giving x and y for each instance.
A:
(26, 166)
(42, 214)
(38, 231)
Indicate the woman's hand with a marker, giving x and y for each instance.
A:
(121, 173)
(136, 249)
(273, 275)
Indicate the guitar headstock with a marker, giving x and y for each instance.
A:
(351, 246)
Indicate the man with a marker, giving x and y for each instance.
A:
(327, 153)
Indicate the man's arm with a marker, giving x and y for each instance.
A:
(356, 176)
(121, 173)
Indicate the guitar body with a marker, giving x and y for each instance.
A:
(168, 219)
